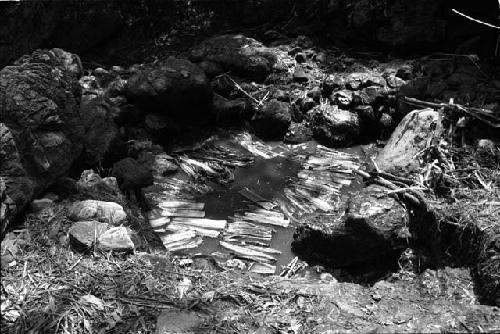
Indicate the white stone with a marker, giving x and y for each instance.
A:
(409, 138)
(116, 238)
(108, 212)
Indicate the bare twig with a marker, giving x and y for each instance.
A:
(244, 91)
(475, 20)
(483, 115)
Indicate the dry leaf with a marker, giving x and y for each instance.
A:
(91, 299)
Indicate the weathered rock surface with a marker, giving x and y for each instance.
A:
(236, 53)
(342, 98)
(178, 321)
(272, 120)
(164, 164)
(108, 212)
(16, 188)
(84, 234)
(298, 133)
(64, 187)
(116, 238)
(333, 126)
(410, 137)
(175, 87)
(373, 212)
(300, 75)
(231, 111)
(130, 174)
(41, 131)
(375, 226)
(101, 135)
(91, 182)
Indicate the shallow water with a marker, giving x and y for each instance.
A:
(299, 180)
(268, 178)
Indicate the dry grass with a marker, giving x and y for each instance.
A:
(51, 288)
(466, 206)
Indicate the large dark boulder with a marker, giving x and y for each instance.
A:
(101, 136)
(42, 131)
(335, 127)
(272, 120)
(16, 188)
(231, 111)
(174, 87)
(375, 226)
(130, 174)
(236, 53)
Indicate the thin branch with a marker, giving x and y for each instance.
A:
(475, 20)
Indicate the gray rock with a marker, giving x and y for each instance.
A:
(298, 133)
(64, 187)
(342, 98)
(92, 182)
(101, 136)
(130, 174)
(117, 239)
(84, 234)
(333, 126)
(157, 124)
(333, 82)
(231, 111)
(177, 321)
(164, 165)
(41, 134)
(304, 42)
(356, 81)
(394, 81)
(366, 115)
(211, 69)
(405, 72)
(386, 121)
(236, 53)
(307, 104)
(281, 95)
(375, 227)
(223, 86)
(108, 212)
(409, 138)
(174, 87)
(272, 120)
(486, 145)
(115, 88)
(90, 86)
(300, 75)
(314, 93)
